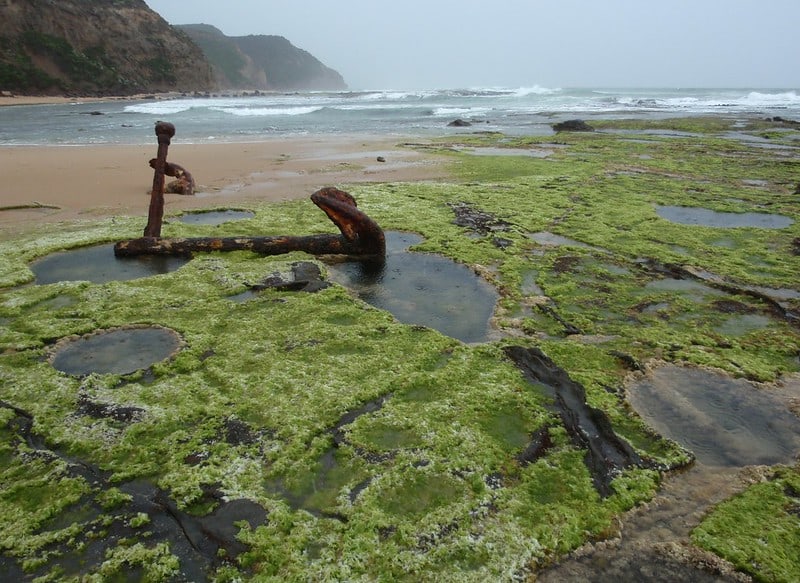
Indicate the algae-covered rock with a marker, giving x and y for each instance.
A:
(316, 437)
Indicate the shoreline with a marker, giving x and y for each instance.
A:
(57, 184)
(11, 100)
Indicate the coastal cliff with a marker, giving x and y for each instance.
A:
(122, 47)
(261, 62)
(101, 47)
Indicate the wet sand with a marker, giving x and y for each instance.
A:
(12, 99)
(64, 183)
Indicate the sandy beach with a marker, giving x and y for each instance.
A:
(62, 183)
(11, 99)
(43, 184)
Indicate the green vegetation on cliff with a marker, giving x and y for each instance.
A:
(100, 47)
(122, 47)
(262, 62)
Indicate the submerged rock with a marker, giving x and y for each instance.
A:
(306, 276)
(724, 422)
(607, 454)
(477, 220)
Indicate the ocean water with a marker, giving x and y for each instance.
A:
(241, 118)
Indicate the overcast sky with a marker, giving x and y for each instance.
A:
(427, 44)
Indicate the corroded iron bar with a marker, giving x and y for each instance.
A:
(314, 244)
(185, 181)
(164, 132)
(360, 236)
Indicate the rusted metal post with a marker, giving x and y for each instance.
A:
(164, 132)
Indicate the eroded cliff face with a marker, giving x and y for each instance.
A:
(100, 47)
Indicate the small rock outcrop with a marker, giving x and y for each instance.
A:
(459, 123)
(573, 125)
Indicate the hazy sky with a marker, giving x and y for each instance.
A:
(426, 44)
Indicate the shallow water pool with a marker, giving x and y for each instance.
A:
(98, 264)
(423, 289)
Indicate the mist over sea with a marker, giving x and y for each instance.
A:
(245, 118)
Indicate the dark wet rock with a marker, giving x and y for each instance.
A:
(573, 125)
(428, 541)
(459, 123)
(337, 431)
(783, 120)
(196, 458)
(566, 264)
(606, 453)
(221, 527)
(22, 425)
(502, 243)
(306, 276)
(201, 543)
(209, 534)
(477, 220)
(540, 443)
(794, 506)
(98, 410)
(381, 159)
(358, 488)
(494, 481)
(238, 432)
(731, 307)
(11, 570)
(92, 113)
(627, 360)
(569, 328)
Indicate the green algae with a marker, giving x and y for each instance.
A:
(406, 492)
(758, 530)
